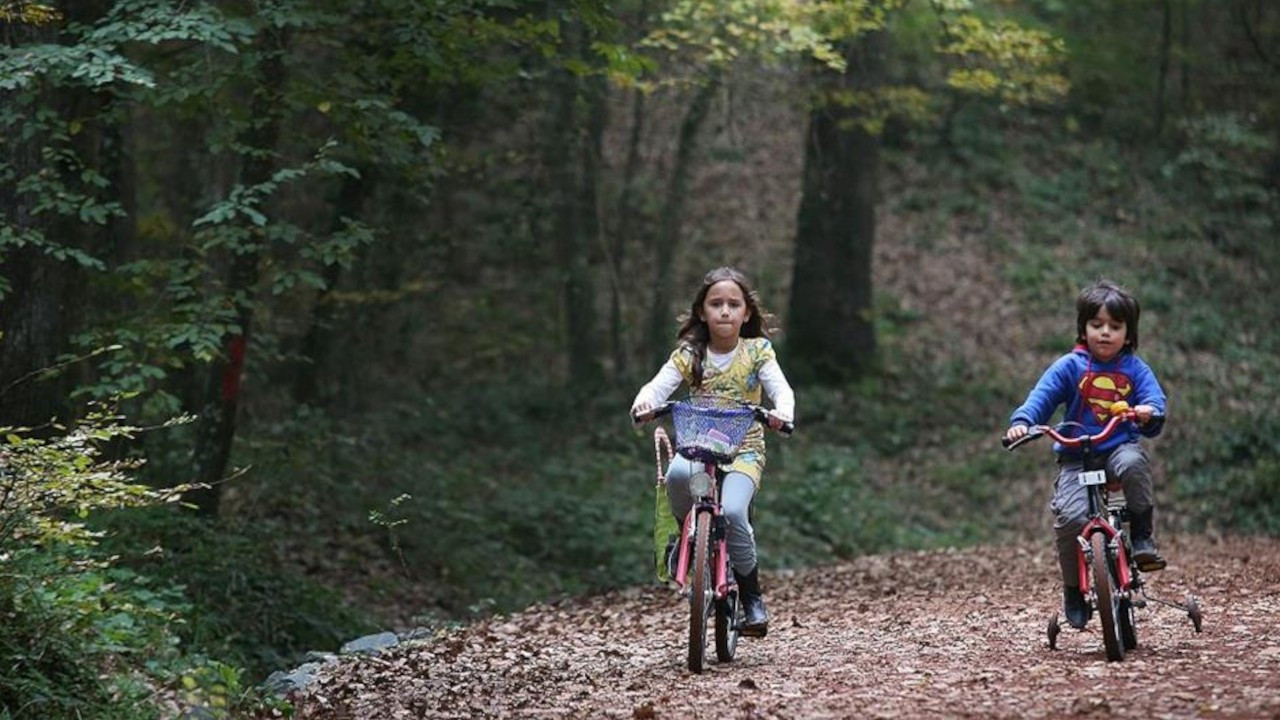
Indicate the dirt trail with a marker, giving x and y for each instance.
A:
(942, 634)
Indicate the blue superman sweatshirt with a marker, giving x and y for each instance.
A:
(1088, 387)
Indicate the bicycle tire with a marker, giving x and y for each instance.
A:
(701, 594)
(728, 625)
(1104, 586)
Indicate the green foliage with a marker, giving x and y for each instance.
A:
(50, 485)
(1018, 65)
(241, 605)
(1232, 476)
(717, 34)
(459, 495)
(78, 629)
(1223, 167)
(70, 637)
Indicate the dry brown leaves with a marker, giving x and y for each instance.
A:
(956, 633)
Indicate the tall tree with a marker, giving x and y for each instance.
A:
(832, 337)
(831, 313)
(59, 209)
(571, 156)
(705, 41)
(222, 398)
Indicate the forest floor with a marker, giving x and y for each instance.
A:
(955, 633)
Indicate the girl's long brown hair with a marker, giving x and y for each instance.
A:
(694, 333)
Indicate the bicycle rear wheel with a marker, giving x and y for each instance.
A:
(1104, 585)
(701, 592)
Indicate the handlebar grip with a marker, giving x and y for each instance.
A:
(653, 414)
(787, 427)
(1032, 434)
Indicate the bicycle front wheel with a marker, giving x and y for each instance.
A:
(1104, 585)
(702, 592)
(728, 625)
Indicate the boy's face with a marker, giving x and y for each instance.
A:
(1105, 335)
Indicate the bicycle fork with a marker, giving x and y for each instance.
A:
(719, 545)
(1115, 547)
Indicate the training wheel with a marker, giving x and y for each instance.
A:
(1053, 630)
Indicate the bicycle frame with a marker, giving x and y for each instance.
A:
(720, 551)
(1105, 518)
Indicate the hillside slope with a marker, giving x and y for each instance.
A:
(955, 633)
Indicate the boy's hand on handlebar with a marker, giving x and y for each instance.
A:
(1143, 413)
(1016, 432)
(776, 422)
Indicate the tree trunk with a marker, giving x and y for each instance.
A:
(32, 317)
(672, 218)
(315, 344)
(566, 159)
(581, 294)
(624, 233)
(1184, 64)
(46, 296)
(1166, 38)
(222, 395)
(831, 336)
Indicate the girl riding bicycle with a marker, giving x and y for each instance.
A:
(723, 350)
(1102, 370)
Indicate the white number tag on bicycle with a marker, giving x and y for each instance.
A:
(1093, 477)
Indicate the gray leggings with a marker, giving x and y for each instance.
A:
(1070, 504)
(735, 500)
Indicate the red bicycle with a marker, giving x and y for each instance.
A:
(709, 430)
(1109, 576)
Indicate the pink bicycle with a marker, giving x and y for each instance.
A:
(709, 430)
(1109, 576)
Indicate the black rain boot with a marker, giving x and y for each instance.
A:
(1075, 607)
(757, 620)
(1145, 554)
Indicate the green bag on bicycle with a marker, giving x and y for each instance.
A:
(664, 530)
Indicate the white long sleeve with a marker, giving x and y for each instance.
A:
(779, 390)
(660, 387)
(774, 381)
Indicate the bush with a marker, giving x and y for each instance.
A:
(77, 631)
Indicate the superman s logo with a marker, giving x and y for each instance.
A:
(1100, 390)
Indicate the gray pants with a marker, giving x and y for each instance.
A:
(735, 500)
(1070, 504)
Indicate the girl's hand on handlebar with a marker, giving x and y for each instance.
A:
(641, 412)
(1016, 432)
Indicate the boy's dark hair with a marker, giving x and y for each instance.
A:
(1119, 304)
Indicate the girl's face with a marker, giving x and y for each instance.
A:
(1105, 335)
(724, 311)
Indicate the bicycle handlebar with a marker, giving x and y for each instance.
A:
(1036, 431)
(761, 413)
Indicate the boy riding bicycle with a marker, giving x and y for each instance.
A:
(1101, 370)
